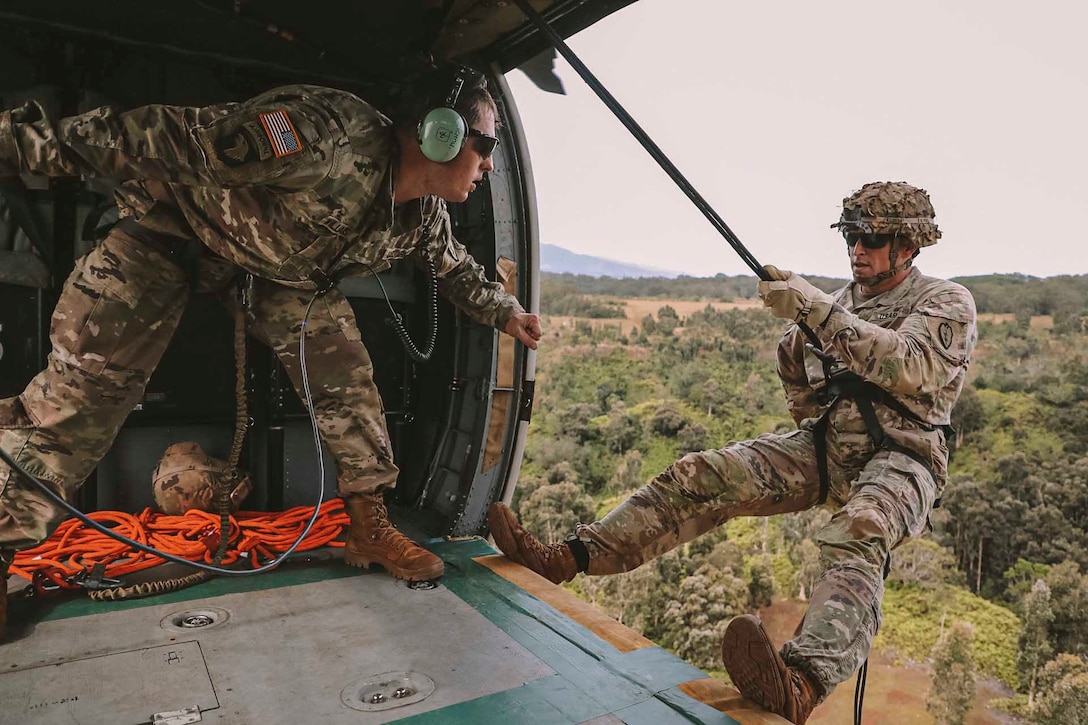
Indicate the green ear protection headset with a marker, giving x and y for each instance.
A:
(442, 131)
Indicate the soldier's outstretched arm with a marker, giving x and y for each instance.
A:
(922, 355)
(461, 279)
(225, 145)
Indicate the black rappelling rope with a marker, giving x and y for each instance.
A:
(859, 691)
(644, 139)
(655, 151)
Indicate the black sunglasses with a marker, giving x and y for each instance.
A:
(485, 143)
(867, 239)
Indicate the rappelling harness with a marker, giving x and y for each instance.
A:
(844, 384)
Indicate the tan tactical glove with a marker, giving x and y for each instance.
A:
(792, 298)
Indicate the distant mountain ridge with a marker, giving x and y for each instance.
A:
(558, 260)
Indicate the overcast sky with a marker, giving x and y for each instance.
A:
(777, 110)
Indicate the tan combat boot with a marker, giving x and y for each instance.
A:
(373, 540)
(759, 673)
(554, 562)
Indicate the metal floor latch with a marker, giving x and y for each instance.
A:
(177, 717)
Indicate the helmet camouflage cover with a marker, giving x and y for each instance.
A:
(890, 207)
(186, 478)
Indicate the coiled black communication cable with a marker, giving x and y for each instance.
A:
(655, 151)
(55, 498)
(397, 321)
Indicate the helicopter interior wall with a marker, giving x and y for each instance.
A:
(21, 338)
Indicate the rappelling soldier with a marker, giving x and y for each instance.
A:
(872, 406)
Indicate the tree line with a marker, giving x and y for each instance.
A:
(1061, 296)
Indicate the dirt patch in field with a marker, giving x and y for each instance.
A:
(1041, 321)
(636, 309)
(639, 307)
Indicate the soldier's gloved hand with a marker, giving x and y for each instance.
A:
(792, 298)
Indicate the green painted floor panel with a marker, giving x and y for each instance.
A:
(543, 702)
(592, 678)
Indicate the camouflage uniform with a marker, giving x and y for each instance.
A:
(295, 180)
(915, 341)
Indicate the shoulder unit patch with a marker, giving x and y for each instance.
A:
(944, 331)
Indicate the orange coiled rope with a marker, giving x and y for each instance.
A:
(260, 536)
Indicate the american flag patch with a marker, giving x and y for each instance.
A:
(281, 133)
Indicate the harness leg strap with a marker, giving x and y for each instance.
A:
(819, 439)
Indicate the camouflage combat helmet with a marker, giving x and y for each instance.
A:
(186, 478)
(890, 207)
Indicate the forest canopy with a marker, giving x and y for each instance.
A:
(617, 403)
(994, 293)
